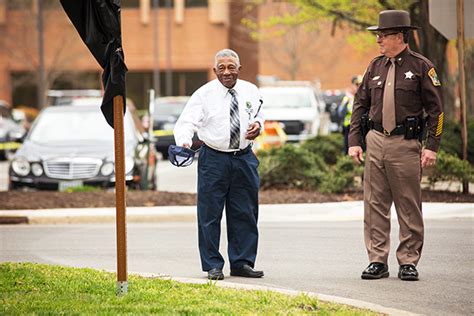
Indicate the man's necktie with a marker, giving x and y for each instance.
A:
(388, 110)
(234, 121)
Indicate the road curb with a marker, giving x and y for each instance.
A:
(319, 296)
(13, 220)
(268, 213)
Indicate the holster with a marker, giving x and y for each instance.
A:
(415, 128)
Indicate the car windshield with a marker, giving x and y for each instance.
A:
(282, 98)
(59, 126)
(169, 108)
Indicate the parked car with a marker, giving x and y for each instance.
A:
(71, 146)
(295, 107)
(11, 132)
(166, 112)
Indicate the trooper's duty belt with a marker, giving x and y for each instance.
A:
(398, 130)
(412, 128)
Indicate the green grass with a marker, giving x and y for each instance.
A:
(27, 288)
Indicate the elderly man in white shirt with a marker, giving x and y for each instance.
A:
(226, 113)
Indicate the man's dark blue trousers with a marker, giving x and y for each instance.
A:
(230, 180)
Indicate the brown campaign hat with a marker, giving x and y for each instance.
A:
(393, 19)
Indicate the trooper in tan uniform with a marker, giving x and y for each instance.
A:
(397, 89)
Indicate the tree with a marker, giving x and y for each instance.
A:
(287, 40)
(19, 40)
(358, 15)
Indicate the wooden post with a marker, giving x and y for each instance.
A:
(122, 283)
(462, 84)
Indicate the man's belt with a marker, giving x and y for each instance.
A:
(398, 130)
(233, 153)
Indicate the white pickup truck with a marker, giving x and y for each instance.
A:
(295, 107)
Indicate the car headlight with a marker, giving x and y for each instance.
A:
(107, 169)
(15, 134)
(21, 166)
(36, 169)
(129, 164)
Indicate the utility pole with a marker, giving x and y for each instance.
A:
(41, 68)
(169, 71)
(156, 51)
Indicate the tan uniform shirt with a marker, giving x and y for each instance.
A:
(417, 88)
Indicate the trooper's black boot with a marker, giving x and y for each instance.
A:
(407, 272)
(375, 270)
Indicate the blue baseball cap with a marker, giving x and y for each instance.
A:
(180, 156)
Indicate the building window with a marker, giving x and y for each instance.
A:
(129, 3)
(196, 3)
(183, 83)
(28, 4)
(162, 3)
(24, 84)
(19, 4)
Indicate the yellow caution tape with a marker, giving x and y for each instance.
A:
(162, 132)
(9, 145)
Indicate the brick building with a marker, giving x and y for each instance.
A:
(178, 39)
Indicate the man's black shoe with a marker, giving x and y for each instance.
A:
(246, 271)
(375, 270)
(215, 274)
(407, 272)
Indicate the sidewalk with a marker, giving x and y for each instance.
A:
(337, 211)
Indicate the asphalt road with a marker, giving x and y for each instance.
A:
(322, 257)
(177, 179)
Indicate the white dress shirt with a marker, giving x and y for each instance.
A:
(208, 113)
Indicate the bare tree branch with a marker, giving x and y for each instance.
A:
(339, 14)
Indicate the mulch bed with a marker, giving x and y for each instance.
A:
(14, 200)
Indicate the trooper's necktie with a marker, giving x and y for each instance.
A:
(388, 110)
(234, 121)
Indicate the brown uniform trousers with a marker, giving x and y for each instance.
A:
(392, 174)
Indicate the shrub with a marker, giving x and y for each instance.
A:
(297, 167)
(329, 147)
(451, 168)
(290, 166)
(451, 139)
(341, 176)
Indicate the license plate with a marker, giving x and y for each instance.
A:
(64, 185)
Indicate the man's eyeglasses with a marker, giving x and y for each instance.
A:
(381, 35)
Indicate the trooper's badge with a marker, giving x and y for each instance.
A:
(434, 77)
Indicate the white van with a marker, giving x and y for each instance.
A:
(296, 108)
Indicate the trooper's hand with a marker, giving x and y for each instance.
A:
(428, 158)
(356, 153)
(253, 131)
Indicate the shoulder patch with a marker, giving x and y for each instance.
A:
(434, 77)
